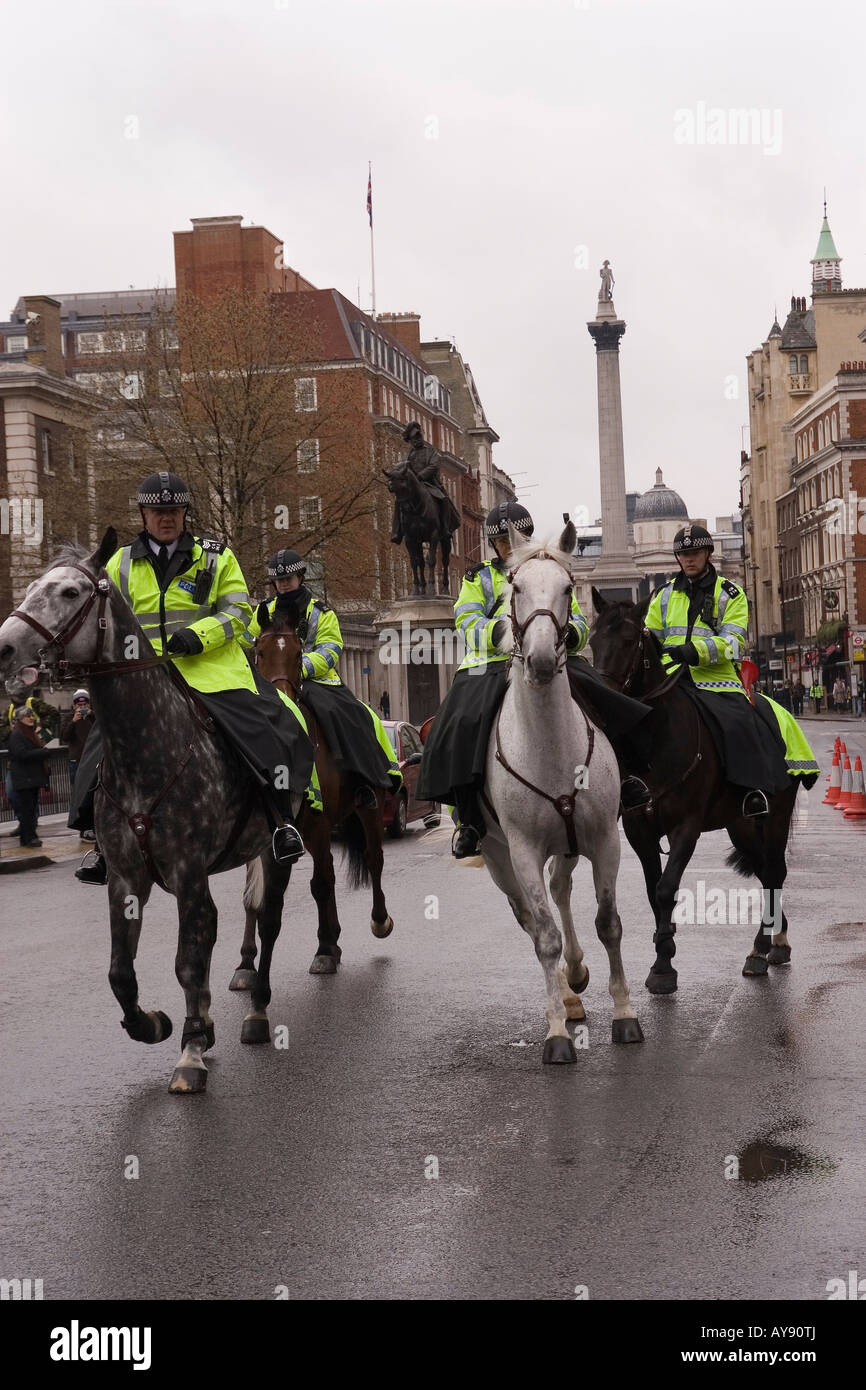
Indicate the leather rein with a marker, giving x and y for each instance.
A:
(664, 686)
(565, 804)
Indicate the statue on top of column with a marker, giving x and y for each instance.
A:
(607, 282)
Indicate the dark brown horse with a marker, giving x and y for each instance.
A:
(689, 794)
(278, 658)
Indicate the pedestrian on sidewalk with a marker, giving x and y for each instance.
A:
(28, 765)
(75, 729)
(797, 694)
(816, 695)
(838, 693)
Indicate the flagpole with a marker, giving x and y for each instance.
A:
(372, 254)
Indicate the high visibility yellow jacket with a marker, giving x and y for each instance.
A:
(479, 608)
(720, 639)
(323, 641)
(206, 593)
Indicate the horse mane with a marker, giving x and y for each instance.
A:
(70, 553)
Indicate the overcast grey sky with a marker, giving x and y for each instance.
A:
(506, 136)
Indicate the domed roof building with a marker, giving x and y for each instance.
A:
(660, 503)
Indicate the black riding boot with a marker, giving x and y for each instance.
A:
(92, 868)
(471, 828)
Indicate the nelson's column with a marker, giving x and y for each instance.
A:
(615, 575)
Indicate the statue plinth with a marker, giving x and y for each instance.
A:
(419, 652)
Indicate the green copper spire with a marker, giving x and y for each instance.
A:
(826, 246)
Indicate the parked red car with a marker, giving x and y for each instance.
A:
(402, 807)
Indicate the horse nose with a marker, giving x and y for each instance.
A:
(6, 652)
(541, 668)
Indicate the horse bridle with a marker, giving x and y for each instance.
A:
(60, 640)
(519, 629)
(640, 655)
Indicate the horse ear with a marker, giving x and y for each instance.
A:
(598, 603)
(263, 615)
(568, 538)
(515, 537)
(642, 608)
(106, 549)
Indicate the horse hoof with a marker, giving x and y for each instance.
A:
(148, 1027)
(657, 983)
(779, 955)
(626, 1030)
(323, 965)
(755, 965)
(210, 1037)
(255, 1030)
(381, 929)
(579, 988)
(243, 979)
(558, 1052)
(188, 1081)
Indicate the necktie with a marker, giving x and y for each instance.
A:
(162, 559)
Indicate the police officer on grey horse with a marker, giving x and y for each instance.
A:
(191, 600)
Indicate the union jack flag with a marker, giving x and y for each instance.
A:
(370, 196)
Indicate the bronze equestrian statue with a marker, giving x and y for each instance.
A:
(423, 511)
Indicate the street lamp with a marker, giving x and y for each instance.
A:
(754, 568)
(780, 546)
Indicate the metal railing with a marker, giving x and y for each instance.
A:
(54, 798)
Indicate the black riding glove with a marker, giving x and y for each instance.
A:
(499, 630)
(184, 643)
(572, 638)
(682, 654)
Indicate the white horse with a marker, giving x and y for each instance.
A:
(552, 791)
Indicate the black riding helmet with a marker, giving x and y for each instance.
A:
(691, 538)
(163, 491)
(284, 563)
(496, 525)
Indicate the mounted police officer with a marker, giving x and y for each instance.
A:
(702, 620)
(355, 734)
(191, 600)
(455, 754)
(423, 460)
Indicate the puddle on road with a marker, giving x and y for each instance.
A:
(846, 931)
(764, 1159)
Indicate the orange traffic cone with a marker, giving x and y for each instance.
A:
(857, 809)
(845, 793)
(843, 751)
(836, 744)
(835, 783)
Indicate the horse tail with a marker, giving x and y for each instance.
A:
(746, 864)
(355, 851)
(254, 891)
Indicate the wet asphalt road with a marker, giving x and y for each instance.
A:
(305, 1167)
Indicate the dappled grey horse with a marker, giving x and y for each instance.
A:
(551, 793)
(173, 804)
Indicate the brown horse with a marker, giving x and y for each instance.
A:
(278, 658)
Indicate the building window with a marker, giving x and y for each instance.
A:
(15, 344)
(92, 343)
(310, 512)
(799, 450)
(834, 427)
(70, 457)
(308, 456)
(47, 445)
(820, 434)
(369, 395)
(305, 393)
(804, 364)
(131, 387)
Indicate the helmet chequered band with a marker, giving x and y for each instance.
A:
(500, 528)
(277, 571)
(696, 543)
(166, 497)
